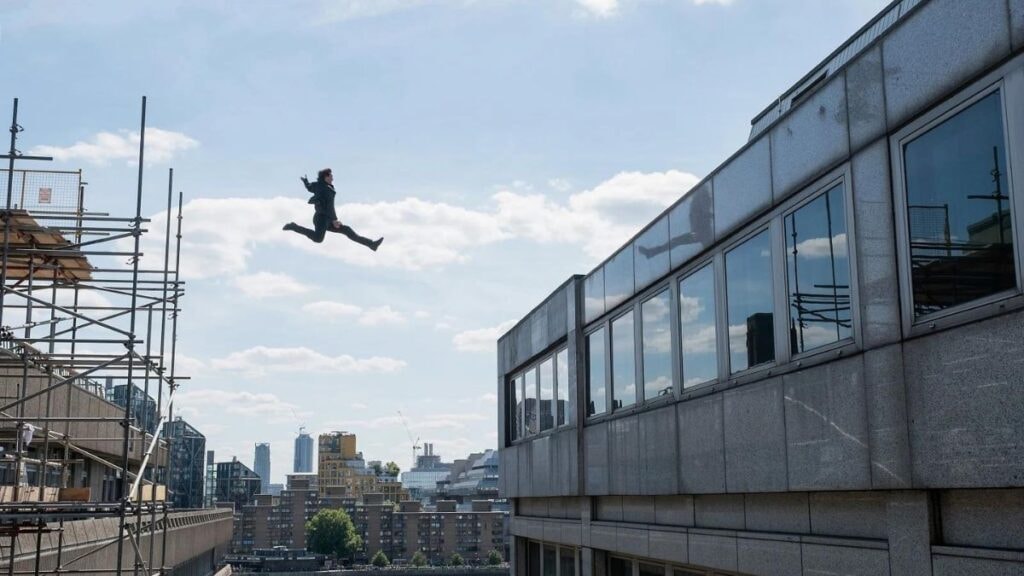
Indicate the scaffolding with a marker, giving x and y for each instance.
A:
(81, 317)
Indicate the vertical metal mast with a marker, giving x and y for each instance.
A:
(125, 495)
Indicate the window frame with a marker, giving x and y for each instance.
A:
(559, 392)
(638, 343)
(839, 177)
(610, 367)
(1008, 80)
(605, 328)
(712, 264)
(769, 225)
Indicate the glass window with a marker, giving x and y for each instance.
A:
(623, 362)
(596, 403)
(698, 332)
(547, 394)
(958, 209)
(515, 409)
(657, 345)
(567, 561)
(692, 224)
(550, 556)
(748, 269)
(530, 403)
(562, 387)
(620, 567)
(533, 559)
(818, 273)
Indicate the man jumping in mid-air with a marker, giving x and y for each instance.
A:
(325, 219)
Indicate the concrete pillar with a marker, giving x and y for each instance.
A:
(911, 518)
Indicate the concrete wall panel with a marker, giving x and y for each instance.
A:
(826, 427)
(701, 446)
(778, 513)
(713, 551)
(938, 48)
(658, 437)
(983, 518)
(595, 445)
(755, 438)
(821, 560)
(850, 514)
(624, 455)
(887, 418)
(668, 546)
(875, 233)
(719, 511)
(768, 557)
(673, 510)
(865, 97)
(810, 139)
(541, 473)
(743, 187)
(966, 405)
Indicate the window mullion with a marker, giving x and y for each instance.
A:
(780, 281)
(722, 319)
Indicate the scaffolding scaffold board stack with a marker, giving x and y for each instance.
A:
(88, 337)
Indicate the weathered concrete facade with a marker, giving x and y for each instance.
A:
(895, 449)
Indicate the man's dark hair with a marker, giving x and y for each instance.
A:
(322, 175)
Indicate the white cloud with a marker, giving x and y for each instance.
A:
(560, 184)
(420, 421)
(381, 315)
(161, 147)
(220, 235)
(265, 406)
(600, 8)
(422, 314)
(820, 248)
(708, 2)
(375, 316)
(359, 406)
(489, 398)
(268, 285)
(262, 360)
(482, 339)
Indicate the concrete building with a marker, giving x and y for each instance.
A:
(280, 521)
(261, 465)
(810, 363)
(422, 480)
(303, 462)
(187, 449)
(474, 478)
(342, 471)
(210, 491)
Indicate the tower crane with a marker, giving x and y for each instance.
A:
(415, 443)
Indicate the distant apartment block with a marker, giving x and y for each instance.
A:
(343, 472)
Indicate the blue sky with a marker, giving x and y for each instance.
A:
(499, 146)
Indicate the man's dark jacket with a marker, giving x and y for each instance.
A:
(323, 198)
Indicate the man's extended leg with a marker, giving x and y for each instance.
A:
(316, 235)
(353, 236)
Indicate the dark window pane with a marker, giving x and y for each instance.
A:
(657, 346)
(530, 403)
(563, 403)
(550, 557)
(596, 403)
(533, 559)
(547, 394)
(958, 209)
(620, 567)
(567, 559)
(623, 362)
(651, 569)
(748, 270)
(698, 331)
(515, 409)
(818, 270)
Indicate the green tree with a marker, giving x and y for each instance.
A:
(380, 560)
(456, 560)
(494, 558)
(377, 468)
(418, 559)
(392, 469)
(332, 532)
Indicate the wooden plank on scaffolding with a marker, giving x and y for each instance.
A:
(28, 234)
